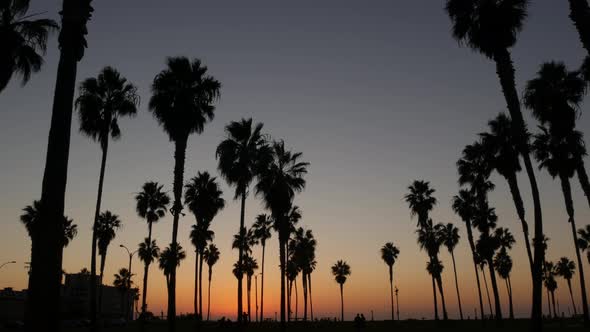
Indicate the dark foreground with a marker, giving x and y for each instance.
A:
(377, 326)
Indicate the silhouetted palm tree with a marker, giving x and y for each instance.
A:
(302, 249)
(105, 228)
(503, 264)
(557, 155)
(341, 271)
(389, 253)
(450, 238)
(30, 217)
(148, 252)
(491, 28)
(584, 240)
(463, 205)
(292, 272)
(504, 158)
(182, 103)
(244, 241)
(170, 259)
(211, 255)
(24, 41)
(152, 204)
(580, 16)
(250, 266)
(123, 283)
(203, 198)
(43, 310)
(566, 269)
(280, 180)
(241, 156)
(430, 240)
(101, 101)
(262, 227)
(551, 285)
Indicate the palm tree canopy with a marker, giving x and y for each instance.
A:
(242, 154)
(292, 270)
(340, 271)
(148, 251)
(463, 205)
(434, 267)
(24, 41)
(123, 280)
(486, 246)
(389, 253)
(420, 200)
(559, 155)
(211, 254)
(203, 197)
(429, 238)
(584, 240)
(475, 168)
(503, 264)
(262, 228)
(245, 240)
(101, 101)
(565, 268)
(549, 274)
(302, 249)
(152, 202)
(171, 258)
(182, 97)
(505, 238)
(30, 217)
(501, 145)
(200, 235)
(485, 217)
(250, 265)
(106, 226)
(555, 95)
(487, 26)
(70, 230)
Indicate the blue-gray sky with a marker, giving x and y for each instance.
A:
(374, 93)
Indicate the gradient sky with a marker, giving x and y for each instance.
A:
(375, 94)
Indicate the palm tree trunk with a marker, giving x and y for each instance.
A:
(309, 295)
(583, 178)
(209, 293)
(262, 286)
(289, 293)
(567, 193)
(391, 291)
(201, 287)
(304, 285)
(549, 303)
(249, 287)
(442, 297)
(580, 15)
(510, 304)
(485, 281)
(103, 258)
(435, 300)
(145, 275)
(296, 301)
(240, 258)
(283, 238)
(569, 286)
(518, 203)
(456, 287)
(553, 301)
(505, 71)
(342, 302)
(179, 158)
(497, 304)
(196, 297)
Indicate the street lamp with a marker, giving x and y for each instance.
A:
(10, 262)
(130, 256)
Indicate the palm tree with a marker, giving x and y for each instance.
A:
(504, 158)
(148, 252)
(250, 265)
(292, 271)
(503, 265)
(43, 310)
(182, 103)
(341, 271)
(123, 283)
(557, 154)
(584, 240)
(430, 240)
(279, 181)
(262, 227)
(241, 156)
(491, 28)
(389, 253)
(566, 269)
(551, 285)
(463, 205)
(30, 217)
(580, 16)
(170, 259)
(450, 238)
(204, 200)
(302, 249)
(105, 228)
(211, 255)
(100, 103)
(152, 204)
(24, 41)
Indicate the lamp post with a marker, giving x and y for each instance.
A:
(130, 257)
(397, 302)
(9, 262)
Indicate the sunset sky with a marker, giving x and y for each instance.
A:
(374, 93)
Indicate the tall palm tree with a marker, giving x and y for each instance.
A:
(450, 238)
(557, 154)
(481, 262)
(292, 272)
(148, 252)
(43, 310)
(302, 247)
(170, 259)
(430, 240)
(106, 228)
(491, 28)
(503, 265)
(241, 156)
(152, 205)
(211, 255)
(341, 271)
(505, 159)
(123, 283)
(279, 181)
(549, 274)
(262, 231)
(566, 269)
(463, 205)
(389, 253)
(203, 198)
(584, 240)
(250, 266)
(182, 102)
(24, 41)
(101, 101)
